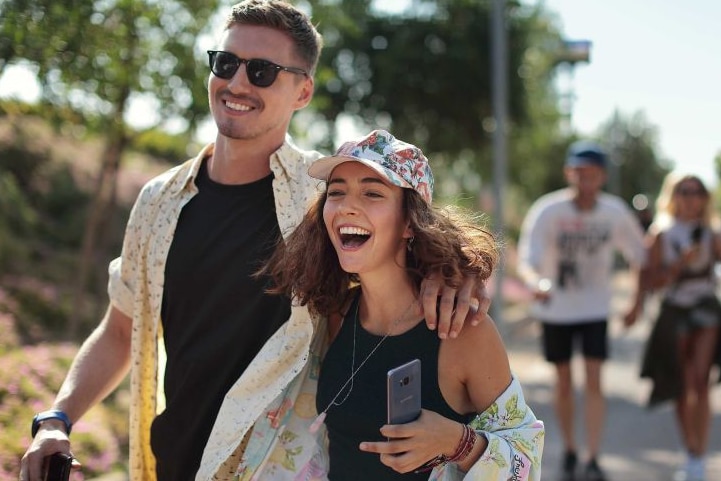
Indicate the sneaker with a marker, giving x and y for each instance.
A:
(568, 468)
(696, 469)
(593, 472)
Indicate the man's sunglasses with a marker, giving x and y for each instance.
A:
(688, 192)
(261, 73)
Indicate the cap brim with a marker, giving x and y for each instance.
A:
(322, 169)
(584, 161)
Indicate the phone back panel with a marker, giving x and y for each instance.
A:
(404, 392)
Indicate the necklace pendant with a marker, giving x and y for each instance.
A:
(315, 425)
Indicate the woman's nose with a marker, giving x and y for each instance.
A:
(349, 205)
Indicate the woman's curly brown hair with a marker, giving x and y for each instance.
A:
(448, 241)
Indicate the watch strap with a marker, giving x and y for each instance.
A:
(51, 414)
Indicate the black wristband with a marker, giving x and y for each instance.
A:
(51, 414)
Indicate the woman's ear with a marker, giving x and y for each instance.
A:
(408, 232)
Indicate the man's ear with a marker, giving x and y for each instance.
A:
(305, 94)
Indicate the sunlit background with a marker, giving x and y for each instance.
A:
(655, 57)
(649, 90)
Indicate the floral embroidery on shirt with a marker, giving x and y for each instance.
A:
(515, 442)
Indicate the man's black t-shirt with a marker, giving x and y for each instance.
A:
(215, 315)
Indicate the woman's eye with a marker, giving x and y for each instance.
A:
(374, 194)
(334, 193)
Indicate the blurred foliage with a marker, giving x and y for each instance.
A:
(636, 167)
(42, 193)
(717, 169)
(17, 223)
(93, 56)
(162, 146)
(425, 75)
(28, 382)
(44, 182)
(38, 204)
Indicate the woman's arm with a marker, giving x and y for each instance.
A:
(510, 438)
(474, 377)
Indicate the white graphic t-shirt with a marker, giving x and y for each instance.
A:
(575, 250)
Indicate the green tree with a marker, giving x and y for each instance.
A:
(717, 170)
(636, 166)
(93, 57)
(425, 74)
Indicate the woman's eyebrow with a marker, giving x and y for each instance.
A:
(365, 180)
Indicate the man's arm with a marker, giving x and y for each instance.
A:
(532, 248)
(638, 248)
(101, 363)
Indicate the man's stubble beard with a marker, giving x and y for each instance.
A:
(231, 131)
(247, 130)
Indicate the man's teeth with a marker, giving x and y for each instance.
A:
(237, 106)
(353, 231)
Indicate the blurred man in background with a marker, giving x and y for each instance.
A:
(566, 256)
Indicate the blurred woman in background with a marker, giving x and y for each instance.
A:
(683, 249)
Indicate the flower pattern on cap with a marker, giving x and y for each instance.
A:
(404, 163)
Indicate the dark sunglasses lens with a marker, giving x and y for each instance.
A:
(224, 65)
(261, 73)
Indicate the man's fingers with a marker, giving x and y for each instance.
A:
(446, 308)
(32, 466)
(463, 306)
(430, 290)
(45, 444)
(482, 301)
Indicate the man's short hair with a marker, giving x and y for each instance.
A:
(284, 17)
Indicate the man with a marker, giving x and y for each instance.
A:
(215, 362)
(566, 255)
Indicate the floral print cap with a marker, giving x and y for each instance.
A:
(403, 164)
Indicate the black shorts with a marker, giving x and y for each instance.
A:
(558, 340)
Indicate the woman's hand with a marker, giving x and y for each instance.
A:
(411, 445)
(630, 318)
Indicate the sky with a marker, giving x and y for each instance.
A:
(660, 57)
(656, 56)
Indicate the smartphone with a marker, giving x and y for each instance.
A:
(404, 392)
(696, 234)
(59, 467)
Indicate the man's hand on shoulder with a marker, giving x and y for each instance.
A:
(448, 308)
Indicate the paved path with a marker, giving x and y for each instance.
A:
(639, 444)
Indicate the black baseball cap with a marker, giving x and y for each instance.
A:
(585, 152)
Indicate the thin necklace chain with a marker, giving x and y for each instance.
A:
(354, 370)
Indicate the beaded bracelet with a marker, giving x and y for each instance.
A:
(465, 446)
(468, 441)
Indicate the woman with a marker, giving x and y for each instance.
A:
(358, 257)
(683, 251)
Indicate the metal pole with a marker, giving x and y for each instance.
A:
(499, 85)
